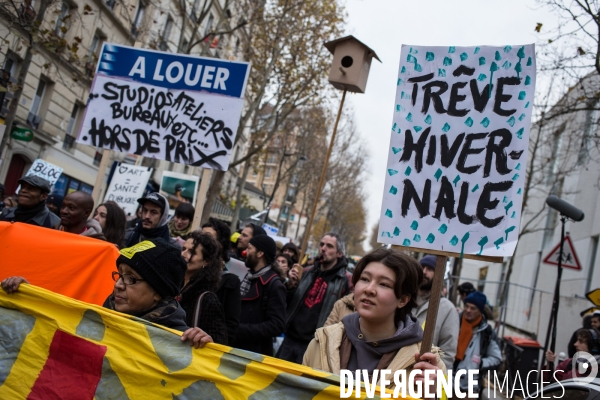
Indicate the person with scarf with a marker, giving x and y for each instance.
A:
(382, 334)
(263, 298)
(181, 223)
(153, 223)
(148, 277)
(31, 204)
(477, 348)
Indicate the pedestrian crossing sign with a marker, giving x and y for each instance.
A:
(569, 257)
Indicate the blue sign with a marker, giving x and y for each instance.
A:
(173, 107)
(174, 71)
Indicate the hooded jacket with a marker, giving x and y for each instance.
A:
(139, 234)
(478, 358)
(445, 334)
(341, 308)
(324, 350)
(339, 286)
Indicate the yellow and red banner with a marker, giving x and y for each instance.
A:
(55, 347)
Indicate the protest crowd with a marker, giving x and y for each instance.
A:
(328, 317)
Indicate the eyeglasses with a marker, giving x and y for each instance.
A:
(127, 278)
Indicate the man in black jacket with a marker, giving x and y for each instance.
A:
(263, 299)
(31, 200)
(311, 302)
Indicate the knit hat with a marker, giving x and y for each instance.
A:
(158, 262)
(55, 199)
(257, 230)
(466, 287)
(265, 244)
(428, 261)
(478, 299)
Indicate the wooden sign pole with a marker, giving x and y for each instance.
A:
(437, 286)
(201, 198)
(321, 181)
(106, 157)
(434, 304)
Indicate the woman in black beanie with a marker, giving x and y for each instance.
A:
(148, 279)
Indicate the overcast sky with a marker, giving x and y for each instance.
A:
(385, 25)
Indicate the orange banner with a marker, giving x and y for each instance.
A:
(65, 263)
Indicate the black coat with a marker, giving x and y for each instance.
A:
(212, 318)
(263, 314)
(231, 301)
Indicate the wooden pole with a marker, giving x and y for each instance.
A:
(434, 303)
(201, 198)
(106, 157)
(321, 180)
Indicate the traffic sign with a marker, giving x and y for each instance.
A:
(569, 258)
(594, 296)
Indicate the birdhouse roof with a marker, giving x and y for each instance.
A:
(331, 45)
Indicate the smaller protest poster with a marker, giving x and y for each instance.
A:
(179, 188)
(127, 185)
(44, 169)
(173, 107)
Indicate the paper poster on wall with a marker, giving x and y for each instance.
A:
(179, 188)
(127, 185)
(173, 107)
(44, 169)
(458, 148)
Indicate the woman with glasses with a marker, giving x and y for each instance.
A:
(148, 279)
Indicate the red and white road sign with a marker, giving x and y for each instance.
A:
(569, 258)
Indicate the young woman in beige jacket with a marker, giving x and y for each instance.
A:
(382, 334)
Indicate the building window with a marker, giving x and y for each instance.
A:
(271, 158)
(37, 99)
(292, 217)
(69, 142)
(166, 34)
(290, 194)
(93, 54)
(67, 184)
(208, 27)
(61, 26)
(73, 119)
(97, 158)
(277, 141)
(268, 173)
(137, 20)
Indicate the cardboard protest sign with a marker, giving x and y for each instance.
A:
(127, 185)
(179, 188)
(458, 149)
(44, 169)
(168, 106)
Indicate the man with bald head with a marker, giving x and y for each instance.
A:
(74, 213)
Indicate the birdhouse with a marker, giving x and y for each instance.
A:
(351, 64)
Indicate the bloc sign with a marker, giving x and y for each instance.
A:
(458, 149)
(168, 106)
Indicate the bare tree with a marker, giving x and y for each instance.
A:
(289, 66)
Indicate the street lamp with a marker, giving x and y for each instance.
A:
(300, 160)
